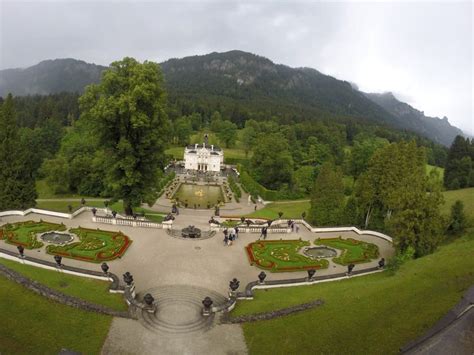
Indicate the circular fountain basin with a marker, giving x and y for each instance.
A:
(58, 238)
(320, 252)
(191, 232)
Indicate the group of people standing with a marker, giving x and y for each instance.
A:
(294, 227)
(230, 235)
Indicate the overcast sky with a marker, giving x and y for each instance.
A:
(421, 51)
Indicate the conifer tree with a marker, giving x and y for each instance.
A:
(17, 183)
(327, 197)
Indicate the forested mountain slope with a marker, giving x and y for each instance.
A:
(243, 85)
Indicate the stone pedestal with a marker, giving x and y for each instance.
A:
(151, 309)
(131, 289)
(206, 312)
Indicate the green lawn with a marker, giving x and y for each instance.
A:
(282, 255)
(466, 196)
(353, 251)
(45, 191)
(375, 314)
(32, 324)
(95, 291)
(95, 245)
(61, 205)
(290, 209)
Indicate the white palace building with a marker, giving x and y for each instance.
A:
(203, 157)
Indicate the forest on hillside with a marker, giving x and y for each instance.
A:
(354, 171)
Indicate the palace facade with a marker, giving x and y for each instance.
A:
(203, 157)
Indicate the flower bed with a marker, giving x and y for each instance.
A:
(95, 245)
(24, 233)
(282, 255)
(353, 251)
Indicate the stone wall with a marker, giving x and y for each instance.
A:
(58, 296)
(272, 314)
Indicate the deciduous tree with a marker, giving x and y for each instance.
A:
(127, 109)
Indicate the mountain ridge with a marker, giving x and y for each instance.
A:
(242, 77)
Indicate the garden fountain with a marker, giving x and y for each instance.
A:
(319, 252)
(58, 238)
(191, 232)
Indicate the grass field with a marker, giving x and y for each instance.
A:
(353, 251)
(290, 209)
(95, 291)
(375, 314)
(39, 326)
(464, 195)
(61, 205)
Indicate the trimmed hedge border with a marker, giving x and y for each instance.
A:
(235, 189)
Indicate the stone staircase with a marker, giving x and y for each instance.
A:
(178, 310)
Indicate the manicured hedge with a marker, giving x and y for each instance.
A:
(235, 188)
(165, 181)
(255, 189)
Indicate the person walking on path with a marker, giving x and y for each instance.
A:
(236, 232)
(226, 237)
(231, 233)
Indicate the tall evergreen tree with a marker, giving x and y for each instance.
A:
(459, 165)
(17, 183)
(127, 109)
(396, 187)
(327, 197)
(458, 221)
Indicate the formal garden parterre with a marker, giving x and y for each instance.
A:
(288, 255)
(95, 245)
(282, 255)
(25, 233)
(352, 251)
